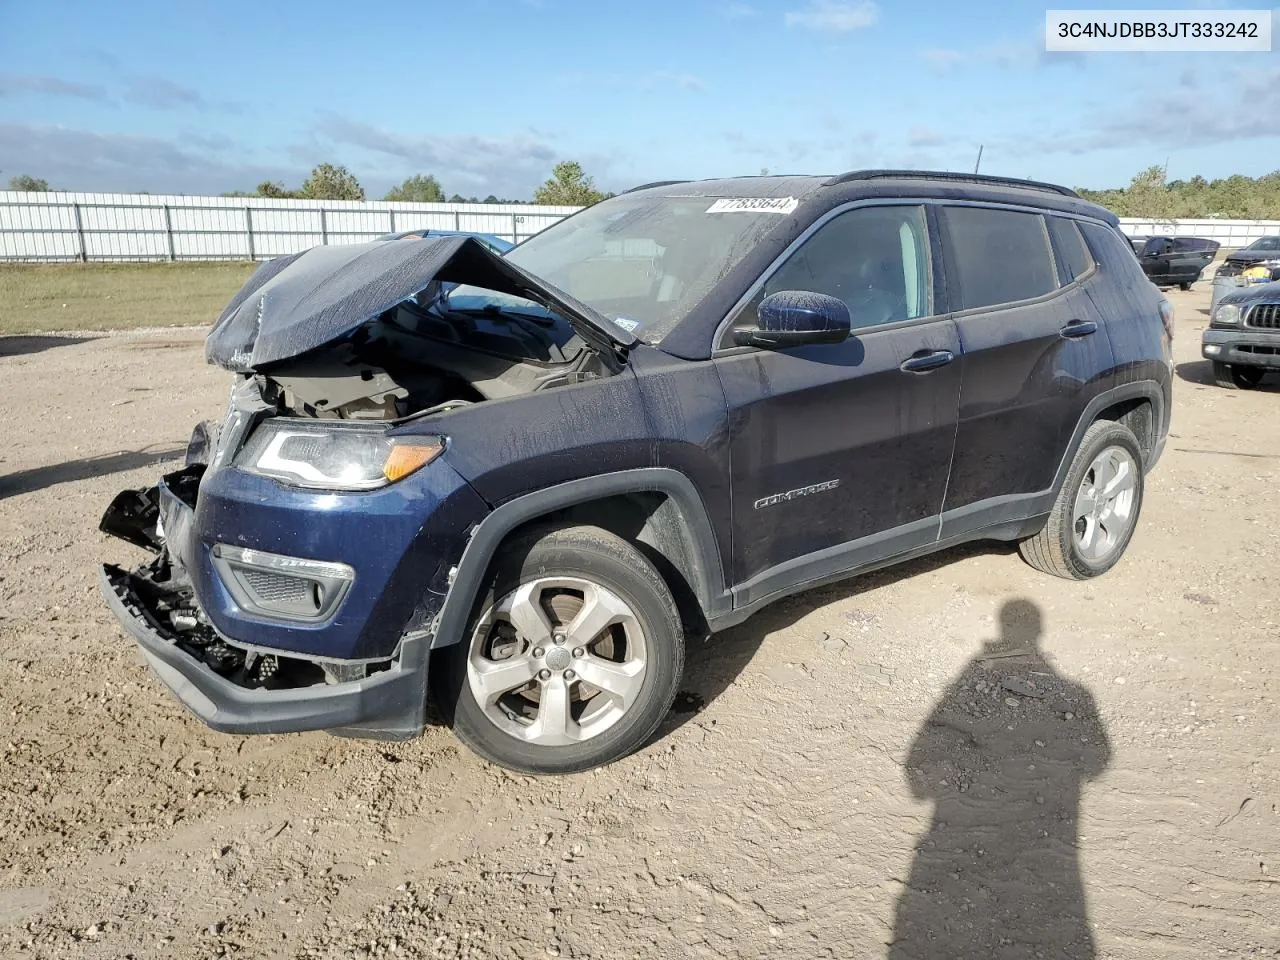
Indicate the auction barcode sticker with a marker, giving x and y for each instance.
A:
(1127, 31)
(754, 205)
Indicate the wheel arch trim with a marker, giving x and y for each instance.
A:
(706, 569)
(1136, 390)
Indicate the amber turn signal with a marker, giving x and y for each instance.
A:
(408, 456)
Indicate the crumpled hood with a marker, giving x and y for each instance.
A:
(296, 303)
(1253, 256)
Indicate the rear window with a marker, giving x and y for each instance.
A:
(996, 256)
(1072, 255)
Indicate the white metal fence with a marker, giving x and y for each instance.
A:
(1230, 234)
(50, 227)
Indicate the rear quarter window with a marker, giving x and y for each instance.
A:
(996, 256)
(1073, 257)
(1108, 247)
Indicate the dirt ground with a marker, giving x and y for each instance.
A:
(960, 757)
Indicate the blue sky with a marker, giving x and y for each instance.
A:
(488, 94)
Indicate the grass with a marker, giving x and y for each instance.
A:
(36, 298)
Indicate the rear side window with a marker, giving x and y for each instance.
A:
(996, 256)
(1193, 245)
(1069, 250)
(1107, 246)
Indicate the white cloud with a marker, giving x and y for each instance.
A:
(73, 159)
(922, 137)
(738, 11)
(12, 84)
(942, 59)
(835, 16)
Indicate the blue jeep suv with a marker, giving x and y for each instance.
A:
(511, 486)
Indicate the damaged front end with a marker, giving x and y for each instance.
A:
(301, 556)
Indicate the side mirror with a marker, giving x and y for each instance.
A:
(791, 318)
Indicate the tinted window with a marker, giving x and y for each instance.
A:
(875, 259)
(1107, 246)
(1266, 243)
(996, 256)
(1073, 257)
(1192, 244)
(1157, 246)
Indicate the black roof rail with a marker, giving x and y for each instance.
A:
(656, 183)
(955, 177)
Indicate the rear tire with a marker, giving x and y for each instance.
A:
(572, 656)
(1231, 377)
(1184, 286)
(1097, 508)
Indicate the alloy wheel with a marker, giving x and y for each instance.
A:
(557, 661)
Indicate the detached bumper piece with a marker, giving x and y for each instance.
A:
(237, 690)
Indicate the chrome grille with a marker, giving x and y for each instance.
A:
(1264, 315)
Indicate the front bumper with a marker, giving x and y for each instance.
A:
(1242, 347)
(389, 704)
(355, 662)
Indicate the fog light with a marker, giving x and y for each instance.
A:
(290, 588)
(1212, 349)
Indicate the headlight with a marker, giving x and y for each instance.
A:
(1228, 314)
(334, 456)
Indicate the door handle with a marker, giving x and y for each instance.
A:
(922, 361)
(1079, 328)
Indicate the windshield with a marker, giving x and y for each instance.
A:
(643, 262)
(1266, 243)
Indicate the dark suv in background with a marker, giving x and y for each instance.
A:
(1174, 261)
(521, 481)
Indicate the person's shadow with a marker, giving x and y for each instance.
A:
(1004, 755)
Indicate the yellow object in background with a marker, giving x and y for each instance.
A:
(1257, 273)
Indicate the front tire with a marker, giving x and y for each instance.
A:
(1097, 508)
(572, 656)
(1231, 377)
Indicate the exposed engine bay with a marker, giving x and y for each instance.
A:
(416, 359)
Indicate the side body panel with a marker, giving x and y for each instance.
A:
(847, 417)
(1025, 387)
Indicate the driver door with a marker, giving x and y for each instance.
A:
(839, 453)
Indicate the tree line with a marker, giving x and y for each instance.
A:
(1150, 197)
(567, 186)
(1148, 194)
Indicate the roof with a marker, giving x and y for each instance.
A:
(859, 184)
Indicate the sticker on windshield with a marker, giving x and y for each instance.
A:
(782, 205)
(627, 324)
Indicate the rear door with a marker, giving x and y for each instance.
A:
(1034, 353)
(1155, 260)
(840, 452)
(1188, 258)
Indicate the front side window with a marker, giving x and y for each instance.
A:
(996, 256)
(875, 259)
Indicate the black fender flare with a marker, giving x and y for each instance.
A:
(707, 571)
(1135, 390)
